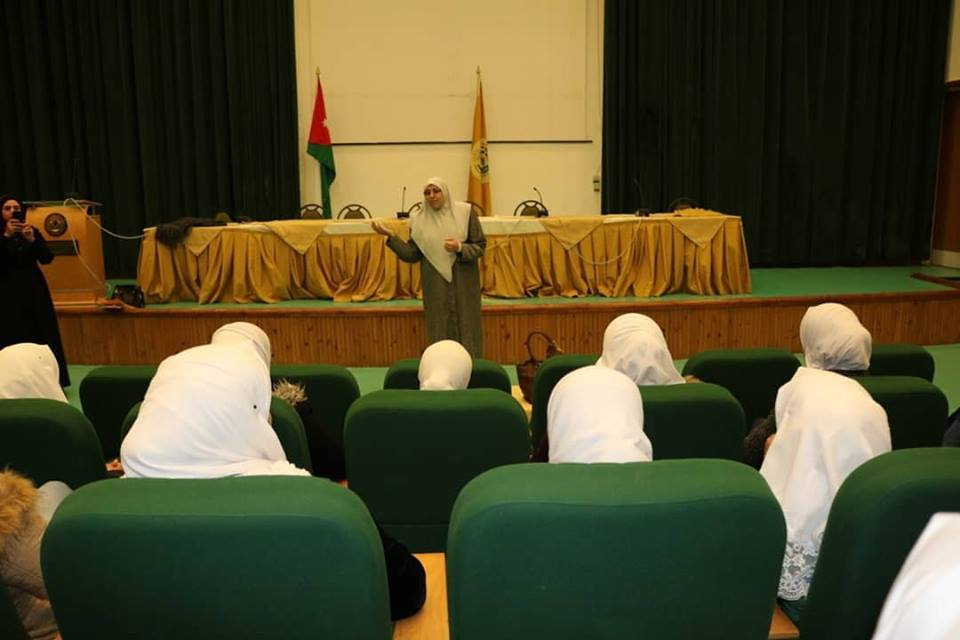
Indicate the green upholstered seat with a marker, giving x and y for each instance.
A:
(487, 374)
(257, 557)
(876, 516)
(107, 393)
(916, 409)
(330, 389)
(753, 376)
(637, 550)
(11, 628)
(548, 375)
(285, 421)
(410, 452)
(901, 360)
(49, 440)
(698, 420)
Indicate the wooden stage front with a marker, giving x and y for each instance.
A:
(368, 334)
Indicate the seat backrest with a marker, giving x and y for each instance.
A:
(11, 627)
(312, 211)
(916, 409)
(285, 421)
(637, 550)
(49, 440)
(531, 208)
(901, 360)
(410, 452)
(476, 208)
(486, 374)
(330, 389)
(696, 420)
(753, 376)
(547, 377)
(876, 517)
(269, 556)
(353, 212)
(107, 393)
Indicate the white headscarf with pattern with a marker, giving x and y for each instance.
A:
(833, 339)
(634, 345)
(429, 227)
(245, 333)
(29, 370)
(445, 366)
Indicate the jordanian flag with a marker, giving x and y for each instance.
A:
(320, 147)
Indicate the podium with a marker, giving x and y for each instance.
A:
(76, 276)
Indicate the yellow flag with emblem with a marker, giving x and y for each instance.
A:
(478, 190)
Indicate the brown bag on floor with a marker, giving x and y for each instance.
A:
(527, 371)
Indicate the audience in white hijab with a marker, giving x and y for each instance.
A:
(633, 344)
(444, 366)
(828, 425)
(923, 601)
(834, 340)
(244, 333)
(29, 370)
(596, 415)
(206, 415)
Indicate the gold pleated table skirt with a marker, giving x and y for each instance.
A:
(696, 251)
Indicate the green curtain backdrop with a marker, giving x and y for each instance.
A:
(815, 120)
(169, 108)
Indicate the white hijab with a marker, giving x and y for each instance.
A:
(430, 227)
(29, 370)
(205, 415)
(833, 339)
(827, 426)
(596, 415)
(634, 344)
(923, 601)
(444, 366)
(247, 334)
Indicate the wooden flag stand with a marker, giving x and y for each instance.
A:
(76, 275)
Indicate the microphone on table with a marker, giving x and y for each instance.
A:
(542, 210)
(403, 213)
(641, 212)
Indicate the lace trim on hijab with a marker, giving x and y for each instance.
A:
(799, 561)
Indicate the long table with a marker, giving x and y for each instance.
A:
(694, 251)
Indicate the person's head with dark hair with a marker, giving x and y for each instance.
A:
(683, 203)
(11, 207)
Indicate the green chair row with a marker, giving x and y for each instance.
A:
(257, 557)
(916, 408)
(108, 393)
(655, 550)
(285, 421)
(487, 374)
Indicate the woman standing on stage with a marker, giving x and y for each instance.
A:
(448, 235)
(29, 316)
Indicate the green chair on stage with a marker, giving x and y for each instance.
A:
(636, 550)
(753, 376)
(107, 393)
(901, 360)
(49, 440)
(916, 409)
(255, 557)
(876, 517)
(487, 374)
(410, 452)
(285, 421)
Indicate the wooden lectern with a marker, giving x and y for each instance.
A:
(76, 275)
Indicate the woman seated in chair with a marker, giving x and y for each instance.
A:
(25, 512)
(445, 366)
(828, 426)
(833, 340)
(633, 344)
(29, 370)
(206, 414)
(596, 415)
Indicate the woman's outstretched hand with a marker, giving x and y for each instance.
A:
(379, 227)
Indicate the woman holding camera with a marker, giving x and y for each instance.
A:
(29, 316)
